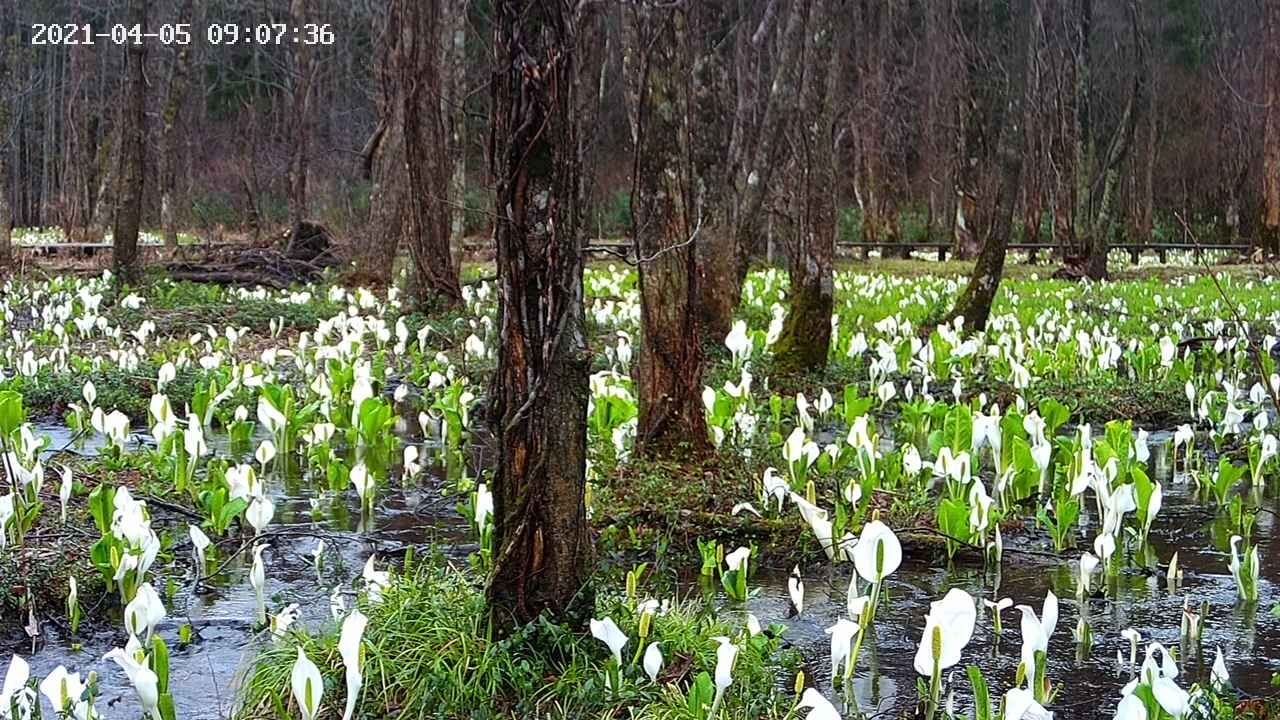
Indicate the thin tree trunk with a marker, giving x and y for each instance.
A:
(1270, 229)
(1145, 170)
(132, 156)
(107, 161)
(6, 211)
(456, 110)
(300, 130)
(805, 342)
(1102, 190)
(6, 122)
(169, 136)
(874, 168)
(541, 548)
(974, 303)
(937, 158)
(384, 155)
(410, 159)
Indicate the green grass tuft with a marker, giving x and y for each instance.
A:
(428, 655)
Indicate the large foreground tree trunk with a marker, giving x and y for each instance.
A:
(974, 303)
(131, 176)
(663, 47)
(805, 341)
(542, 549)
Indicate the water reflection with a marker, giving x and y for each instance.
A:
(220, 613)
(1085, 673)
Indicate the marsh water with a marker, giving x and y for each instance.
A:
(205, 672)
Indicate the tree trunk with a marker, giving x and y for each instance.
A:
(1102, 190)
(936, 126)
(456, 110)
(410, 159)
(6, 121)
(1270, 229)
(6, 213)
(433, 280)
(384, 155)
(300, 130)
(1145, 171)
(132, 157)
(805, 342)
(386, 201)
(169, 135)
(756, 149)
(666, 78)
(542, 549)
(873, 166)
(107, 172)
(974, 303)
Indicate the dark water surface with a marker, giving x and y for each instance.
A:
(204, 674)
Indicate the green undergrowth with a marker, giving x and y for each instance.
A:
(1152, 404)
(127, 391)
(655, 509)
(1221, 703)
(181, 308)
(428, 654)
(36, 574)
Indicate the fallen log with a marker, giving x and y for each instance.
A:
(291, 260)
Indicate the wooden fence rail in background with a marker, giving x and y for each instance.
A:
(1134, 249)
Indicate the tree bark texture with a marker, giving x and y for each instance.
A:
(937, 117)
(131, 176)
(411, 162)
(1103, 186)
(542, 549)
(767, 89)
(300, 129)
(670, 90)
(873, 166)
(6, 122)
(455, 109)
(1270, 229)
(433, 280)
(169, 146)
(805, 342)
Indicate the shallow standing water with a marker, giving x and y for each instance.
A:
(1088, 682)
(204, 673)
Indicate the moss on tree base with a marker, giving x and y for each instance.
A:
(805, 341)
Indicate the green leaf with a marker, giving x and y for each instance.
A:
(981, 695)
(159, 661)
(701, 694)
(12, 412)
(230, 511)
(1055, 414)
(102, 507)
(953, 521)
